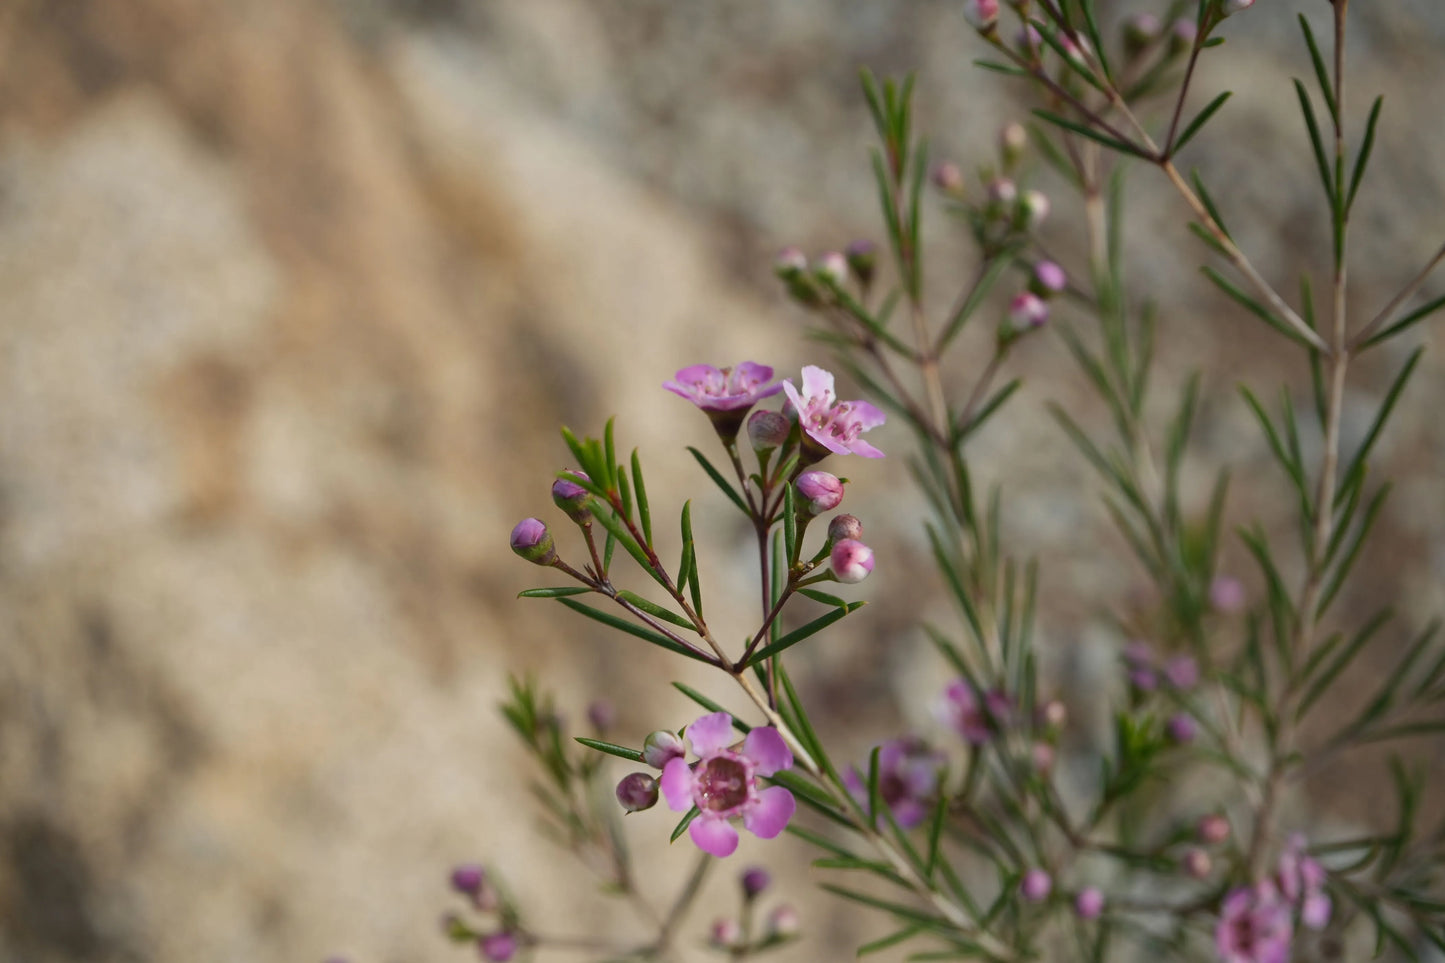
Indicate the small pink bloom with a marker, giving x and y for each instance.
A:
(1182, 728)
(1254, 926)
(1036, 886)
(1089, 903)
(1033, 209)
(498, 947)
(834, 426)
(726, 934)
(1026, 312)
(1213, 829)
(982, 15)
(724, 389)
(821, 491)
(783, 922)
(962, 711)
(1182, 672)
(832, 266)
(1197, 863)
(790, 262)
(907, 780)
(1302, 881)
(723, 784)
(1226, 594)
(1049, 279)
(851, 560)
(948, 177)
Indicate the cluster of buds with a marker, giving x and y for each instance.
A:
(1257, 922)
(1004, 210)
(819, 282)
(735, 937)
(502, 936)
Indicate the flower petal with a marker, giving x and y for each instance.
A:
(766, 747)
(794, 398)
(861, 448)
(711, 734)
(770, 814)
(818, 383)
(714, 836)
(676, 784)
(750, 375)
(865, 415)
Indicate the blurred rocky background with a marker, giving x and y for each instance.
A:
(293, 295)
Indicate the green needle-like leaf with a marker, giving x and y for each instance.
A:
(718, 480)
(1202, 118)
(621, 752)
(622, 625)
(562, 591)
(798, 635)
(644, 515)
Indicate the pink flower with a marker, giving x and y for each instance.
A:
(1254, 926)
(1089, 903)
(962, 712)
(907, 778)
(1036, 886)
(1302, 881)
(724, 394)
(834, 426)
(723, 784)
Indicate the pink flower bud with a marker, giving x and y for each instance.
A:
(820, 491)
(851, 560)
(1140, 30)
(982, 15)
(601, 714)
(1048, 279)
(1213, 829)
(783, 922)
(1182, 34)
(1043, 756)
(468, 879)
(1002, 193)
(1026, 312)
(637, 791)
(1197, 863)
(1033, 209)
(1182, 728)
(498, 947)
(571, 497)
(844, 527)
(1013, 140)
(831, 267)
(862, 258)
(1054, 714)
(1182, 672)
(1228, 7)
(790, 263)
(661, 747)
(768, 430)
(532, 541)
(1089, 903)
(1226, 594)
(755, 879)
(948, 177)
(725, 934)
(1036, 886)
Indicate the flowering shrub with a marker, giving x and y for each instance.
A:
(1000, 857)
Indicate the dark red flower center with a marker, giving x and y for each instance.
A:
(722, 784)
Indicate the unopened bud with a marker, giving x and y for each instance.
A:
(831, 267)
(1048, 280)
(1043, 757)
(468, 879)
(726, 934)
(571, 497)
(1228, 7)
(851, 560)
(1197, 863)
(1140, 30)
(948, 177)
(1054, 714)
(1226, 594)
(1013, 140)
(768, 430)
(532, 541)
(1036, 886)
(862, 259)
(1089, 903)
(789, 263)
(1182, 728)
(601, 714)
(661, 747)
(1182, 34)
(982, 15)
(820, 491)
(844, 527)
(1213, 829)
(1026, 312)
(1002, 193)
(1182, 672)
(783, 922)
(1030, 40)
(637, 791)
(755, 879)
(1033, 209)
(498, 947)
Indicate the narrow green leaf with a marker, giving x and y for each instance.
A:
(897, 909)
(1315, 141)
(1408, 321)
(875, 794)
(798, 635)
(554, 593)
(1322, 76)
(1365, 148)
(622, 625)
(618, 530)
(1208, 202)
(994, 402)
(808, 836)
(1347, 561)
(1281, 454)
(657, 611)
(823, 597)
(610, 450)
(1008, 70)
(1202, 232)
(686, 821)
(790, 525)
(1386, 407)
(1259, 310)
(967, 306)
(804, 727)
(1347, 655)
(817, 800)
(891, 940)
(1199, 121)
(621, 752)
(721, 482)
(644, 515)
(1124, 147)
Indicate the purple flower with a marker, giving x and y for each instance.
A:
(851, 560)
(754, 880)
(1302, 882)
(1182, 672)
(723, 784)
(1182, 728)
(963, 712)
(1139, 658)
(1254, 926)
(1036, 885)
(834, 426)
(907, 778)
(468, 879)
(1048, 279)
(532, 541)
(1089, 903)
(724, 394)
(571, 497)
(498, 947)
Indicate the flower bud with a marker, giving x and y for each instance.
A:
(948, 177)
(1002, 193)
(498, 947)
(862, 258)
(1033, 208)
(768, 430)
(1197, 863)
(1213, 829)
(726, 934)
(790, 263)
(755, 879)
(468, 879)
(1054, 714)
(783, 922)
(1048, 280)
(532, 541)
(661, 747)
(982, 15)
(1182, 728)
(820, 491)
(601, 714)
(571, 497)
(1228, 7)
(851, 560)
(831, 267)
(637, 791)
(1030, 41)
(1140, 30)
(844, 527)
(1036, 886)
(1226, 594)
(1089, 903)
(1043, 756)
(1013, 140)
(1182, 672)
(1026, 312)
(1182, 34)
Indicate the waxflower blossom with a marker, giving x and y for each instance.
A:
(723, 784)
(963, 712)
(783, 922)
(821, 492)
(724, 394)
(1026, 312)
(907, 779)
(1048, 279)
(1226, 594)
(532, 541)
(834, 426)
(726, 934)
(1254, 926)
(1302, 882)
(948, 177)
(832, 267)
(1182, 728)
(468, 879)
(850, 560)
